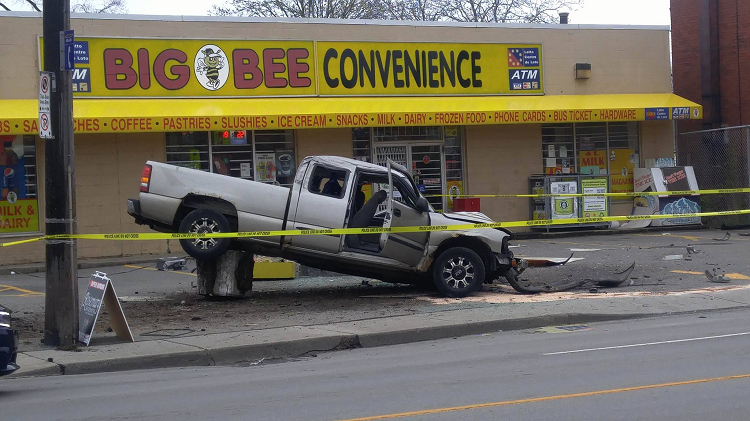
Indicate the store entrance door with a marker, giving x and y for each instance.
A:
(426, 163)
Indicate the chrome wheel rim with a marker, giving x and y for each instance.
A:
(204, 226)
(458, 273)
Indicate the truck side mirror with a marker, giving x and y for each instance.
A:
(423, 205)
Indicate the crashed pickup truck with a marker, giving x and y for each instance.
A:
(328, 192)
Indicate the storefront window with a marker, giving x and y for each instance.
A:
(454, 164)
(390, 134)
(19, 208)
(591, 144)
(232, 153)
(188, 149)
(558, 152)
(265, 156)
(599, 149)
(361, 144)
(434, 154)
(623, 155)
(274, 157)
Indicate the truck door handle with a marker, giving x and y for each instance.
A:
(397, 212)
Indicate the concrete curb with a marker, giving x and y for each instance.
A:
(250, 352)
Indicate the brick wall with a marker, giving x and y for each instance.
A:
(732, 21)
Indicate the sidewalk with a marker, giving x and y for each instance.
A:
(253, 346)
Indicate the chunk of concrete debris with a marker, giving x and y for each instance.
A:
(724, 238)
(718, 278)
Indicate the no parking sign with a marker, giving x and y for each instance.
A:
(45, 87)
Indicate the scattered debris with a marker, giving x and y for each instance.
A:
(657, 247)
(12, 272)
(611, 283)
(713, 277)
(550, 261)
(258, 362)
(584, 250)
(171, 263)
(692, 250)
(673, 257)
(665, 233)
(366, 283)
(744, 234)
(195, 318)
(724, 238)
(593, 290)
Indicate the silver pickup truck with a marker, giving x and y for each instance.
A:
(328, 192)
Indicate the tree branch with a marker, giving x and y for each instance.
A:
(33, 4)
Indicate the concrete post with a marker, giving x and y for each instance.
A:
(231, 275)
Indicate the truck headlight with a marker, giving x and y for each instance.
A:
(4, 319)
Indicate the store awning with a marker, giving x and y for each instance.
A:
(162, 115)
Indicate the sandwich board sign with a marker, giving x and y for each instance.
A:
(101, 290)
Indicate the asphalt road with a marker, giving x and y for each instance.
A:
(672, 368)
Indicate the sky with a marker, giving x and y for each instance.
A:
(620, 12)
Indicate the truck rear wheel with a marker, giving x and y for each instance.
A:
(458, 272)
(205, 221)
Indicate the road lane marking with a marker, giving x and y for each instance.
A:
(547, 398)
(687, 237)
(23, 292)
(675, 341)
(737, 276)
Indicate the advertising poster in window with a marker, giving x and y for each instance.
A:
(622, 163)
(594, 206)
(18, 212)
(285, 167)
(592, 162)
(265, 167)
(455, 189)
(564, 207)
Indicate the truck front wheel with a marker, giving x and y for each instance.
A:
(458, 272)
(205, 221)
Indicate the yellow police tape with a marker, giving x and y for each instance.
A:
(624, 194)
(345, 231)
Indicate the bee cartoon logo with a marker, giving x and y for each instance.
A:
(211, 67)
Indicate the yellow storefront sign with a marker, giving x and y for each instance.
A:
(134, 67)
(115, 115)
(407, 68)
(139, 67)
(20, 216)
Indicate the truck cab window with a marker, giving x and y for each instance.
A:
(328, 182)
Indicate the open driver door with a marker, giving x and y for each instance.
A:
(402, 211)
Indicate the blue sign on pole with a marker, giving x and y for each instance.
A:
(69, 49)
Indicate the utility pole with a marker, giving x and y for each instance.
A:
(61, 299)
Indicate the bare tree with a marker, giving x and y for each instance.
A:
(342, 9)
(529, 11)
(419, 10)
(77, 6)
(102, 6)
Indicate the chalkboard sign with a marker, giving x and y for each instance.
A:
(101, 291)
